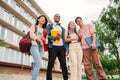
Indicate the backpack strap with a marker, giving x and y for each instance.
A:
(35, 28)
(44, 33)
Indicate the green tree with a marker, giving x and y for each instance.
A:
(2, 43)
(109, 64)
(108, 29)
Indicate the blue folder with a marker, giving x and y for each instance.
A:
(89, 41)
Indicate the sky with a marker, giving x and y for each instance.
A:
(89, 10)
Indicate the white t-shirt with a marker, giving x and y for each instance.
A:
(39, 32)
(57, 27)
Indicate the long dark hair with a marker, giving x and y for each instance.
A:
(46, 21)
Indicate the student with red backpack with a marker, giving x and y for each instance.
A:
(38, 40)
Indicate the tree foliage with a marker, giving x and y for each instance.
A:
(108, 29)
(109, 64)
(2, 43)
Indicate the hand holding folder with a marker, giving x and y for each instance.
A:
(89, 41)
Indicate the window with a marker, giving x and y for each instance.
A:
(26, 60)
(17, 39)
(2, 33)
(7, 18)
(12, 22)
(34, 10)
(5, 14)
(10, 54)
(25, 28)
(18, 23)
(18, 57)
(13, 56)
(15, 21)
(1, 12)
(5, 58)
(22, 11)
(8, 57)
(29, 18)
(10, 18)
(13, 4)
(25, 14)
(6, 1)
(10, 1)
(17, 7)
(14, 39)
(38, 14)
(10, 37)
(33, 20)
(29, 4)
(0, 53)
(6, 36)
(2, 50)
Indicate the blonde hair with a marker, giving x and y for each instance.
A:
(74, 25)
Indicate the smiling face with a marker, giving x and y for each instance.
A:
(79, 21)
(41, 20)
(71, 25)
(57, 18)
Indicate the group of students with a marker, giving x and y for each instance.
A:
(71, 42)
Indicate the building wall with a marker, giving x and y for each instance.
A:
(16, 17)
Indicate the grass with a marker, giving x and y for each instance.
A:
(109, 79)
(3, 73)
(114, 79)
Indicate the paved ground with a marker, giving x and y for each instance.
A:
(21, 77)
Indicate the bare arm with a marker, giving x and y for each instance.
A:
(66, 37)
(32, 34)
(94, 41)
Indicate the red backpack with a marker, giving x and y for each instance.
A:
(25, 43)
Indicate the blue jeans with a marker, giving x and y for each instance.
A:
(36, 53)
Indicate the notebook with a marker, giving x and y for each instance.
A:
(89, 41)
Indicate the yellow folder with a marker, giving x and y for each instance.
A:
(54, 33)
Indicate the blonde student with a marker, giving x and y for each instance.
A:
(75, 51)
